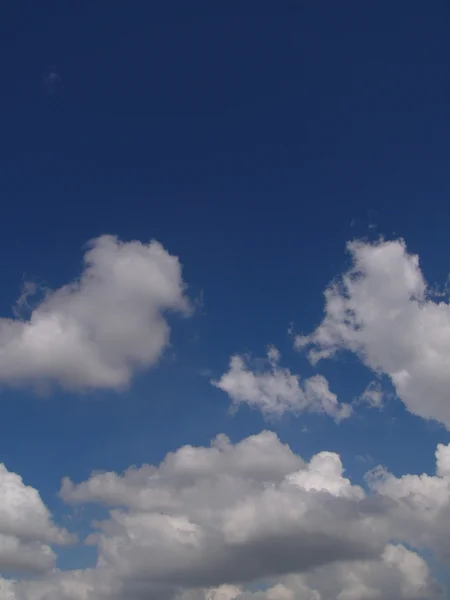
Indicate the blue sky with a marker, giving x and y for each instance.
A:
(253, 140)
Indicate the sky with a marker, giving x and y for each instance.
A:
(224, 318)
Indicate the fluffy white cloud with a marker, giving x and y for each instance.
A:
(227, 515)
(421, 513)
(382, 310)
(275, 390)
(257, 458)
(208, 521)
(95, 331)
(26, 527)
(232, 513)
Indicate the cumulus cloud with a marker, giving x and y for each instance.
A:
(209, 521)
(422, 504)
(228, 515)
(228, 512)
(26, 527)
(257, 458)
(275, 390)
(382, 310)
(96, 331)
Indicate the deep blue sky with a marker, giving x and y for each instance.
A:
(252, 138)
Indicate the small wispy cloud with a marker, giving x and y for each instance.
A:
(52, 83)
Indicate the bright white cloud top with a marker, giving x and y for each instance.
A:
(96, 331)
(381, 310)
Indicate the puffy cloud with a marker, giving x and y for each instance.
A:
(275, 390)
(382, 310)
(325, 473)
(209, 521)
(95, 331)
(421, 513)
(26, 527)
(229, 514)
(258, 458)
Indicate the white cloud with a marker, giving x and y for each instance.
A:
(382, 310)
(275, 390)
(325, 473)
(373, 395)
(95, 331)
(257, 458)
(224, 511)
(208, 521)
(421, 513)
(26, 527)
(229, 514)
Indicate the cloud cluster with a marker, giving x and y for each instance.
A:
(275, 390)
(26, 527)
(382, 310)
(209, 521)
(228, 513)
(96, 331)
(250, 520)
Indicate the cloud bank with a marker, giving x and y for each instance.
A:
(250, 520)
(209, 521)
